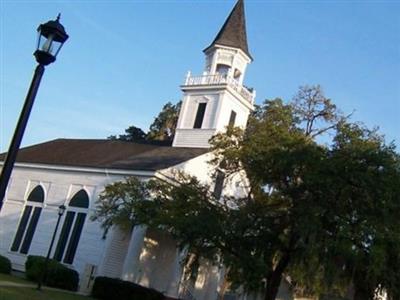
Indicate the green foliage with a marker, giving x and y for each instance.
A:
(367, 209)
(162, 129)
(111, 288)
(5, 265)
(132, 134)
(339, 204)
(313, 109)
(323, 216)
(58, 275)
(117, 202)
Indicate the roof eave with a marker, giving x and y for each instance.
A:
(215, 45)
(84, 169)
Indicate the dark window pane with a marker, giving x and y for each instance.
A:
(237, 74)
(232, 119)
(222, 69)
(37, 194)
(74, 240)
(200, 115)
(31, 230)
(62, 240)
(80, 199)
(21, 228)
(219, 184)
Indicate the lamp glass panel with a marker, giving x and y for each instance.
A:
(49, 45)
(61, 210)
(39, 40)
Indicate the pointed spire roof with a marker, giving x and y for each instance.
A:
(233, 32)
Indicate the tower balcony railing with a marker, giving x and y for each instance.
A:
(220, 79)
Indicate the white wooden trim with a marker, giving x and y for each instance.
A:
(106, 171)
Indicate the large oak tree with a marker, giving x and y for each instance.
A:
(322, 214)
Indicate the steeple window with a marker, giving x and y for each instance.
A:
(222, 69)
(237, 74)
(232, 119)
(201, 109)
(219, 184)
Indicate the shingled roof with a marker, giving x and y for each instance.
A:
(106, 154)
(233, 32)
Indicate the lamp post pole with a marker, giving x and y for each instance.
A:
(43, 276)
(19, 132)
(52, 36)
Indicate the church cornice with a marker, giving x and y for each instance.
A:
(103, 171)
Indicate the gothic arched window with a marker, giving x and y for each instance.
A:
(29, 220)
(72, 228)
(80, 199)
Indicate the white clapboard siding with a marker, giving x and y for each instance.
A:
(115, 253)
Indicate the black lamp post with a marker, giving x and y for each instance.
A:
(52, 36)
(43, 277)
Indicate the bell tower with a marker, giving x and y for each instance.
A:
(217, 98)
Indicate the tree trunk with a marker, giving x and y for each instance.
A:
(273, 283)
(275, 278)
(224, 286)
(363, 294)
(363, 290)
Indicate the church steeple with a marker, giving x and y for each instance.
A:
(217, 99)
(233, 32)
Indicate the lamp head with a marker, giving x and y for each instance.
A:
(61, 210)
(51, 37)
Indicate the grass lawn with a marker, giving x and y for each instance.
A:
(5, 277)
(28, 293)
(22, 293)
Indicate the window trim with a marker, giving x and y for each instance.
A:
(74, 237)
(35, 211)
(21, 231)
(30, 230)
(63, 238)
(64, 246)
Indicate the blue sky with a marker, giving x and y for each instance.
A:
(125, 59)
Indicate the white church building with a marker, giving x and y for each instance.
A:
(74, 172)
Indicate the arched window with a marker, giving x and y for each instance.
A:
(80, 199)
(29, 220)
(72, 228)
(237, 74)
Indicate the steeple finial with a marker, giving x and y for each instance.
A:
(233, 32)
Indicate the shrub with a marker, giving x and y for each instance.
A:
(105, 288)
(58, 275)
(5, 265)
